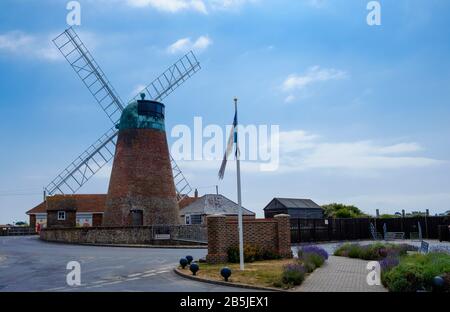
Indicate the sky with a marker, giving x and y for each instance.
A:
(363, 111)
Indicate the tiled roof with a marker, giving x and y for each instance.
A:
(297, 203)
(214, 204)
(80, 202)
(186, 201)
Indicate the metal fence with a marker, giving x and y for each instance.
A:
(317, 230)
(17, 231)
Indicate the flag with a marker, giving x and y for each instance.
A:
(231, 140)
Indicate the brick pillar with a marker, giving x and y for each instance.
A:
(217, 238)
(284, 235)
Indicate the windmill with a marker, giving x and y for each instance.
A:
(97, 155)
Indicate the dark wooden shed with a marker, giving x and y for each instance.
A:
(296, 208)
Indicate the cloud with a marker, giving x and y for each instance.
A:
(300, 150)
(289, 99)
(171, 6)
(201, 6)
(313, 75)
(186, 44)
(229, 4)
(21, 44)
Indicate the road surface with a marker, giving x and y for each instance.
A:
(29, 264)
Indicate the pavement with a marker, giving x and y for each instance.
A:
(340, 274)
(29, 264)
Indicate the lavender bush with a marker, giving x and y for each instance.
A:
(293, 274)
(388, 263)
(312, 250)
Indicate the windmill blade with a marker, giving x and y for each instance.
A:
(85, 166)
(182, 186)
(101, 152)
(82, 62)
(172, 78)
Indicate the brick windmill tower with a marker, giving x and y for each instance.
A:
(146, 183)
(141, 188)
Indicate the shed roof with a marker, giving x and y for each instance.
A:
(89, 203)
(296, 203)
(214, 204)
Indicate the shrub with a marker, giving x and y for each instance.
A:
(388, 263)
(233, 254)
(315, 259)
(293, 274)
(354, 251)
(416, 272)
(377, 251)
(404, 278)
(252, 254)
(313, 249)
(270, 255)
(309, 266)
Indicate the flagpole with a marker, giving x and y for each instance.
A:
(238, 170)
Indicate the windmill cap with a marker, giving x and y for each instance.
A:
(143, 114)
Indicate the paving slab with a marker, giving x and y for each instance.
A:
(340, 274)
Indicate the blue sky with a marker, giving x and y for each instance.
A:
(363, 111)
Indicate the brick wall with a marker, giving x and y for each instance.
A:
(97, 219)
(53, 222)
(141, 178)
(271, 234)
(32, 221)
(139, 235)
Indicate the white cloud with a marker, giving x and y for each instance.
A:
(171, 6)
(229, 4)
(202, 6)
(21, 44)
(301, 151)
(313, 75)
(186, 44)
(289, 99)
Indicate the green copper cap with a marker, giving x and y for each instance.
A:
(143, 114)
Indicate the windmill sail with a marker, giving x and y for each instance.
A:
(101, 152)
(172, 78)
(94, 158)
(84, 65)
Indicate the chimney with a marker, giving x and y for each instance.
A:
(196, 193)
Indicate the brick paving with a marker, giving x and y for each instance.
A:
(339, 274)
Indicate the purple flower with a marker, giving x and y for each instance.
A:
(313, 249)
(388, 263)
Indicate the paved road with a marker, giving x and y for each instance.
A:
(28, 264)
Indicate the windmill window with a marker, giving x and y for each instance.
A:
(61, 215)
